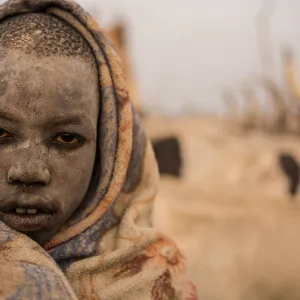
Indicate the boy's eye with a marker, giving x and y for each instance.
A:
(67, 138)
(4, 133)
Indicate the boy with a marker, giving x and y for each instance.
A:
(77, 175)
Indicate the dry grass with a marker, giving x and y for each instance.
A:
(280, 117)
(230, 213)
(237, 248)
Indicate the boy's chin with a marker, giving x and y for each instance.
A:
(43, 236)
(39, 227)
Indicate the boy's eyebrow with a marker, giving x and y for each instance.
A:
(9, 117)
(55, 120)
(66, 120)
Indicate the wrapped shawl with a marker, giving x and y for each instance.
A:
(107, 250)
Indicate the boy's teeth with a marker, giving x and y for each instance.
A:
(20, 210)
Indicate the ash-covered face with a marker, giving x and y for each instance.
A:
(48, 132)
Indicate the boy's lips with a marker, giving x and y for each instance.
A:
(26, 222)
(27, 212)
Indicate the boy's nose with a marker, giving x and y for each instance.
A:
(28, 175)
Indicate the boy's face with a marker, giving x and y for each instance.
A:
(48, 132)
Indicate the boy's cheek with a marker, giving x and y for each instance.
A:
(72, 169)
(70, 175)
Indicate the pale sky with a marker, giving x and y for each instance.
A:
(185, 52)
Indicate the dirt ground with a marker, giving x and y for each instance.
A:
(230, 213)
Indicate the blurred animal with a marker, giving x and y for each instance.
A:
(168, 155)
(290, 167)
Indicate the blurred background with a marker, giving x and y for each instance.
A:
(198, 46)
(217, 86)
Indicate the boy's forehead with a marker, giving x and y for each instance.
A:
(55, 63)
(47, 85)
